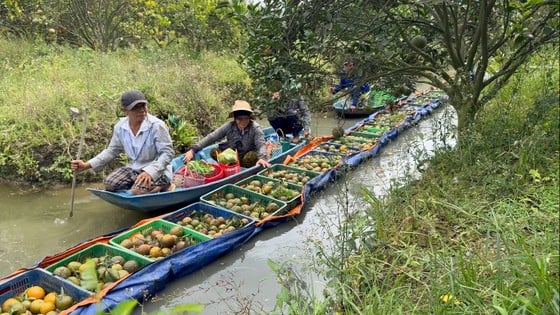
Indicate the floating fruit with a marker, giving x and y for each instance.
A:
(177, 231)
(7, 303)
(338, 132)
(16, 308)
(50, 297)
(47, 307)
(35, 306)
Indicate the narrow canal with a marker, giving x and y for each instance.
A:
(36, 224)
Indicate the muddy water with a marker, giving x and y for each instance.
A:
(36, 224)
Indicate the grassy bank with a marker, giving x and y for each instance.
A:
(39, 83)
(477, 234)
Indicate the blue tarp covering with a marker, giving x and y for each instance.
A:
(154, 277)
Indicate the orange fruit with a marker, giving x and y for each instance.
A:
(35, 292)
(51, 297)
(35, 306)
(47, 307)
(7, 303)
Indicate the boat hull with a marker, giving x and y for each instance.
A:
(358, 112)
(179, 197)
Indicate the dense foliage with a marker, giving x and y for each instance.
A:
(467, 48)
(104, 25)
(477, 234)
(39, 83)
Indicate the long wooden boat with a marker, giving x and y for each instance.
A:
(376, 101)
(179, 197)
(357, 112)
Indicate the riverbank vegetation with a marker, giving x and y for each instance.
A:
(477, 234)
(40, 83)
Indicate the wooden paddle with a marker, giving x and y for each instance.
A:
(75, 113)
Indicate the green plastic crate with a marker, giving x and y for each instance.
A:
(378, 132)
(159, 224)
(331, 159)
(368, 137)
(290, 203)
(294, 175)
(251, 199)
(207, 209)
(332, 147)
(99, 250)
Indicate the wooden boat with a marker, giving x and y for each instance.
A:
(180, 197)
(372, 102)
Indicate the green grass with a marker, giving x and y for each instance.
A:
(477, 234)
(39, 83)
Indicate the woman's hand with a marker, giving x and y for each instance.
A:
(188, 156)
(263, 163)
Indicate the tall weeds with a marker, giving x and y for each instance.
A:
(477, 234)
(39, 83)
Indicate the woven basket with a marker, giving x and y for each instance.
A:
(186, 178)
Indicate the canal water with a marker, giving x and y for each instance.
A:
(35, 224)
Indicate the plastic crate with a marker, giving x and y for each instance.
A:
(378, 132)
(290, 203)
(251, 199)
(304, 161)
(368, 137)
(18, 284)
(205, 208)
(287, 173)
(99, 250)
(158, 224)
(331, 147)
(186, 178)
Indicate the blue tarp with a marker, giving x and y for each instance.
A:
(154, 277)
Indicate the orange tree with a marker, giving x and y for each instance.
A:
(104, 25)
(468, 48)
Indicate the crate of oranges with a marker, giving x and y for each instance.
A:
(37, 292)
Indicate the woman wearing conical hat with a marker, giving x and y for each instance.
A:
(243, 134)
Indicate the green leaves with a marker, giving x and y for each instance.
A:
(89, 277)
(182, 133)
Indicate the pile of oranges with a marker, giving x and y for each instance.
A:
(36, 300)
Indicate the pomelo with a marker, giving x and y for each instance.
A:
(419, 41)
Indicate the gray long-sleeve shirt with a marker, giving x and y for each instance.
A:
(250, 139)
(153, 155)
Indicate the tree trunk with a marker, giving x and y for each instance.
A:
(465, 107)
